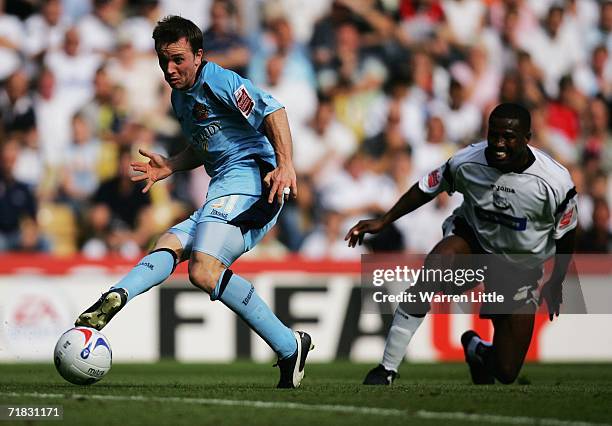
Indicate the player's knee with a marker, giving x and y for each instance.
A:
(171, 242)
(440, 258)
(506, 373)
(202, 277)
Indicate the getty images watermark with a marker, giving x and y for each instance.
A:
(485, 284)
(430, 278)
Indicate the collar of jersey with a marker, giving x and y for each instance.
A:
(193, 89)
(532, 160)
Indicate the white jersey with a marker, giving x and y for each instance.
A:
(510, 213)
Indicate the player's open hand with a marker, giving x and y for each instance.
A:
(357, 232)
(278, 179)
(552, 293)
(157, 168)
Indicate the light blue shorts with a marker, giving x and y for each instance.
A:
(227, 227)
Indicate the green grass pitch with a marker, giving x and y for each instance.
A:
(242, 393)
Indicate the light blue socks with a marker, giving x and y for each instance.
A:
(235, 292)
(153, 269)
(239, 295)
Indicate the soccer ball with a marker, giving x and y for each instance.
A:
(83, 356)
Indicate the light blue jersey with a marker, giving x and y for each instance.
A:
(222, 115)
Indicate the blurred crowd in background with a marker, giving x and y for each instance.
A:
(378, 93)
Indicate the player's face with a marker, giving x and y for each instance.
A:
(507, 143)
(179, 64)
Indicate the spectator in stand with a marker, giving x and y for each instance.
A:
(511, 88)
(563, 118)
(138, 28)
(582, 14)
(356, 191)
(138, 76)
(74, 70)
(502, 44)
(99, 112)
(411, 107)
(479, 77)
(464, 22)
(351, 68)
(120, 195)
(354, 79)
(302, 15)
(120, 219)
(53, 115)
(11, 40)
(327, 241)
(430, 81)
(420, 20)
(598, 238)
(79, 178)
(322, 147)
(519, 11)
(554, 49)
(377, 25)
(383, 146)
(298, 96)
(602, 33)
(97, 30)
(223, 44)
(595, 78)
(435, 151)
(18, 228)
(323, 42)
(45, 30)
(531, 79)
(584, 201)
(597, 138)
(30, 167)
(16, 104)
(279, 40)
(461, 119)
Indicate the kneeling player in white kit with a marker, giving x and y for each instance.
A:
(517, 200)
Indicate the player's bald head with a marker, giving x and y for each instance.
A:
(513, 112)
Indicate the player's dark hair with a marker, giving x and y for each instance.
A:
(172, 28)
(514, 112)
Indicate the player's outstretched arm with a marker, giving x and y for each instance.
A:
(159, 167)
(276, 127)
(552, 290)
(410, 201)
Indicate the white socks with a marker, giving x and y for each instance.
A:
(402, 329)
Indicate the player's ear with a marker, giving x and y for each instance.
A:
(198, 57)
(528, 136)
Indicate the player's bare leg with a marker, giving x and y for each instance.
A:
(504, 358)
(408, 318)
(150, 271)
(511, 340)
(292, 347)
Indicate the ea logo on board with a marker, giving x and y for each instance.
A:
(32, 318)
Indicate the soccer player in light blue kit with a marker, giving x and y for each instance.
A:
(242, 137)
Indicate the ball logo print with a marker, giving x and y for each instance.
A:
(79, 360)
(85, 353)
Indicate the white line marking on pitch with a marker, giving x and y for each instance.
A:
(422, 414)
